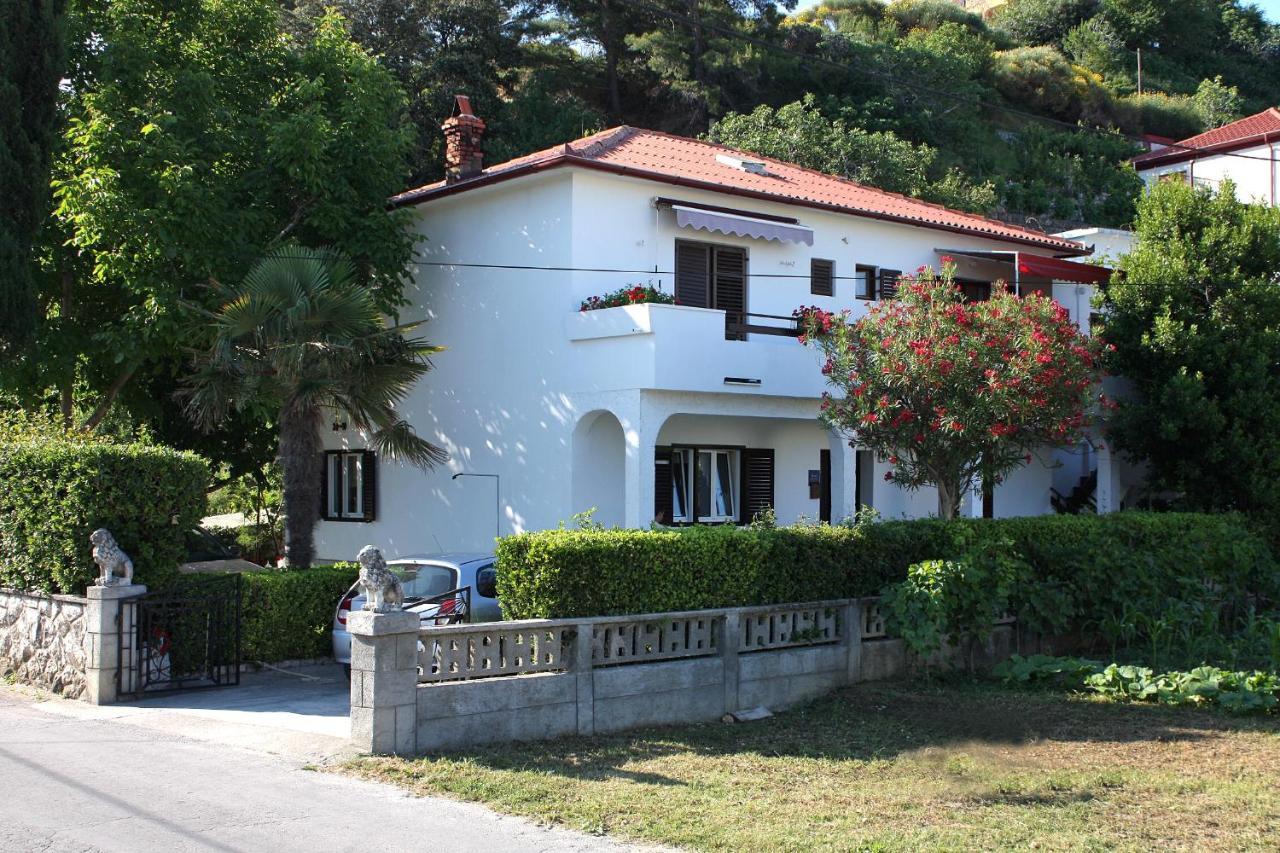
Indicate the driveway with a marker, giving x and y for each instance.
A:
(131, 778)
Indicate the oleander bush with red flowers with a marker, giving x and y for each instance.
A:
(955, 391)
(633, 295)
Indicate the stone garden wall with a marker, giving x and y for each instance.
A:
(43, 641)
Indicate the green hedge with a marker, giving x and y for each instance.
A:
(55, 491)
(1095, 566)
(286, 615)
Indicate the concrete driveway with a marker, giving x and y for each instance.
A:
(225, 771)
(299, 713)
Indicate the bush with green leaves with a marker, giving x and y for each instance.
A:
(56, 489)
(953, 602)
(288, 614)
(1238, 692)
(1086, 574)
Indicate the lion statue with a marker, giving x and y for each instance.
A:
(383, 591)
(114, 565)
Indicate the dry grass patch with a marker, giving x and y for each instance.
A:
(893, 767)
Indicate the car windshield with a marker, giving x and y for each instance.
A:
(424, 581)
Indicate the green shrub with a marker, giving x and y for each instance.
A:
(55, 490)
(1081, 572)
(286, 615)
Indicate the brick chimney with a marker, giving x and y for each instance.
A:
(463, 133)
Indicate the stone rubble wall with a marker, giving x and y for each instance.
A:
(42, 641)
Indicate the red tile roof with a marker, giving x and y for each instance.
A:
(682, 161)
(1244, 133)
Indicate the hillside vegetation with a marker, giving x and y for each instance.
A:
(935, 100)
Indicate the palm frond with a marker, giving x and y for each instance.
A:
(398, 441)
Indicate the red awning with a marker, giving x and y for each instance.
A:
(1056, 269)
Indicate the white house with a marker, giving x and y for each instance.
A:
(701, 411)
(1244, 151)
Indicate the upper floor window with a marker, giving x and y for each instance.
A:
(711, 276)
(864, 278)
(822, 274)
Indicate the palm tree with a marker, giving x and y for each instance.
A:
(301, 336)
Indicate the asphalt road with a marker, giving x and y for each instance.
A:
(75, 783)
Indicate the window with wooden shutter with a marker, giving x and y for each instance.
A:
(693, 275)
(864, 281)
(663, 509)
(889, 283)
(369, 490)
(730, 293)
(757, 482)
(822, 275)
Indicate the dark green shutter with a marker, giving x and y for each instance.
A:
(757, 482)
(663, 505)
(822, 277)
(369, 487)
(693, 265)
(730, 293)
(889, 283)
(324, 485)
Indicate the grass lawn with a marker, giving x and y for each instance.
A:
(895, 766)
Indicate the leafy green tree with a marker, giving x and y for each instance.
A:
(1096, 45)
(1217, 103)
(1195, 319)
(198, 136)
(301, 336)
(1042, 22)
(799, 133)
(953, 391)
(31, 63)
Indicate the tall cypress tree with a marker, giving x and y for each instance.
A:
(32, 52)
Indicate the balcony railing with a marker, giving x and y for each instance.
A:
(738, 324)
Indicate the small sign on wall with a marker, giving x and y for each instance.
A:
(815, 484)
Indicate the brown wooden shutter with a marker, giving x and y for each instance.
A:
(730, 288)
(324, 484)
(693, 278)
(824, 486)
(822, 277)
(663, 505)
(889, 283)
(369, 488)
(757, 482)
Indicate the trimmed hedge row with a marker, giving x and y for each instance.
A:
(55, 491)
(286, 615)
(1096, 565)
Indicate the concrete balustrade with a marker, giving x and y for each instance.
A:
(463, 685)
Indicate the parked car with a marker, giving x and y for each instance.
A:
(207, 553)
(441, 588)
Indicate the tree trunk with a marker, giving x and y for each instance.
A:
(301, 456)
(948, 499)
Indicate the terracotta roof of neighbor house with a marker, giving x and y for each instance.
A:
(1248, 131)
(678, 160)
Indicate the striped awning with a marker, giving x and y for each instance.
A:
(742, 226)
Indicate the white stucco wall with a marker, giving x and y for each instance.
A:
(522, 368)
(1253, 170)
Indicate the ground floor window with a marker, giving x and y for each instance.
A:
(348, 486)
(704, 485)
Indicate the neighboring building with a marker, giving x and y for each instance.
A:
(701, 411)
(1244, 151)
(985, 8)
(1102, 245)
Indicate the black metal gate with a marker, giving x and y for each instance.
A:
(183, 638)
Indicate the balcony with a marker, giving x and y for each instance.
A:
(678, 348)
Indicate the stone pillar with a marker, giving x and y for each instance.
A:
(730, 640)
(851, 639)
(584, 678)
(384, 681)
(107, 623)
